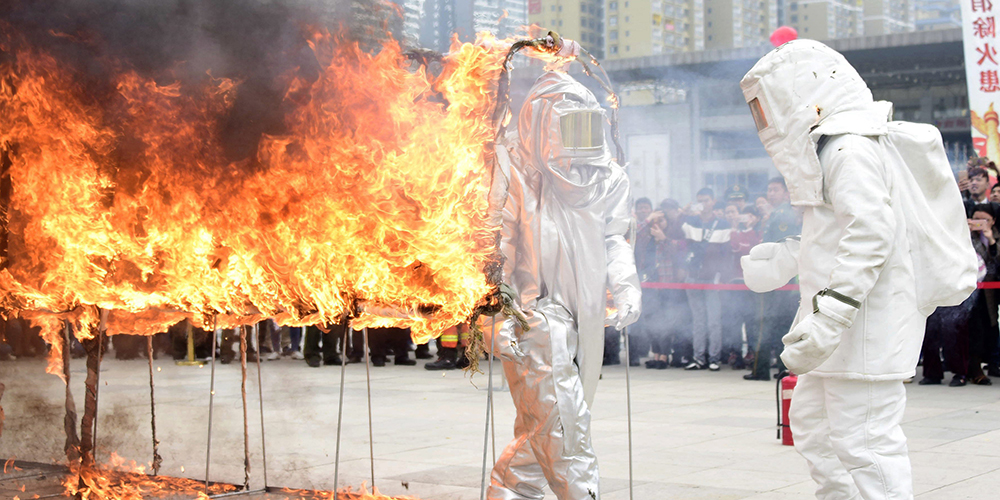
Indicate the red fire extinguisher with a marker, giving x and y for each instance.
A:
(785, 387)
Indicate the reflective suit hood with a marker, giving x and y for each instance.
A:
(800, 92)
(567, 145)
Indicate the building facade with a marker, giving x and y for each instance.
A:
(581, 20)
(464, 18)
(884, 17)
(739, 23)
(826, 19)
(937, 14)
(644, 28)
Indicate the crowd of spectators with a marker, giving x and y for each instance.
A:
(964, 338)
(696, 315)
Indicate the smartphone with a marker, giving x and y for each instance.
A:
(963, 175)
(977, 225)
(744, 218)
(697, 208)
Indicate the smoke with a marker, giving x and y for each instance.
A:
(260, 43)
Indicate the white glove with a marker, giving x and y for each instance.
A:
(816, 337)
(770, 266)
(629, 307)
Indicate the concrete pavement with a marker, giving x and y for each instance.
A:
(697, 435)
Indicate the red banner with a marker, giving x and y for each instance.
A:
(534, 6)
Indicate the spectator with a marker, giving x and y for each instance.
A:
(979, 183)
(327, 353)
(764, 209)
(450, 356)
(708, 260)
(983, 320)
(780, 306)
(737, 195)
(746, 305)
(995, 193)
(661, 239)
(638, 338)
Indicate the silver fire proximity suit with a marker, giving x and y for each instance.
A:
(564, 227)
(883, 243)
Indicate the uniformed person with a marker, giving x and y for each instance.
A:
(778, 307)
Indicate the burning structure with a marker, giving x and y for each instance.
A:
(324, 179)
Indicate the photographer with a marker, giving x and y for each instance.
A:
(666, 313)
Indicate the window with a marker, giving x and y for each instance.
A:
(710, 24)
(627, 48)
(612, 5)
(795, 19)
(613, 21)
(626, 33)
(710, 38)
(613, 35)
(626, 19)
(613, 49)
(552, 8)
(795, 6)
(709, 10)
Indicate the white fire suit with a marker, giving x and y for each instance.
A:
(564, 224)
(860, 324)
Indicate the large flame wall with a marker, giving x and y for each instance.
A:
(123, 198)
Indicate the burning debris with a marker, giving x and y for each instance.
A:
(318, 182)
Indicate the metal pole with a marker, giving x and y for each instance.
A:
(157, 459)
(340, 416)
(493, 423)
(260, 397)
(243, 394)
(628, 407)
(211, 400)
(371, 434)
(489, 407)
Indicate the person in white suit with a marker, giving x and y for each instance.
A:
(882, 244)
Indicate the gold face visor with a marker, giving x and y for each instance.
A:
(582, 130)
(759, 118)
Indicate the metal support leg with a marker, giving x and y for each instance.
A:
(371, 433)
(628, 408)
(340, 419)
(211, 400)
(489, 413)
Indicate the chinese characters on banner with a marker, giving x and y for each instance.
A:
(982, 72)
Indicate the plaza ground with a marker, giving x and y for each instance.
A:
(697, 435)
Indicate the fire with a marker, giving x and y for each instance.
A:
(124, 200)
(121, 480)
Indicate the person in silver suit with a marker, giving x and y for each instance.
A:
(564, 227)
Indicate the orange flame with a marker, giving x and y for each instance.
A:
(376, 193)
(121, 480)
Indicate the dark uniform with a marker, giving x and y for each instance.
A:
(778, 308)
